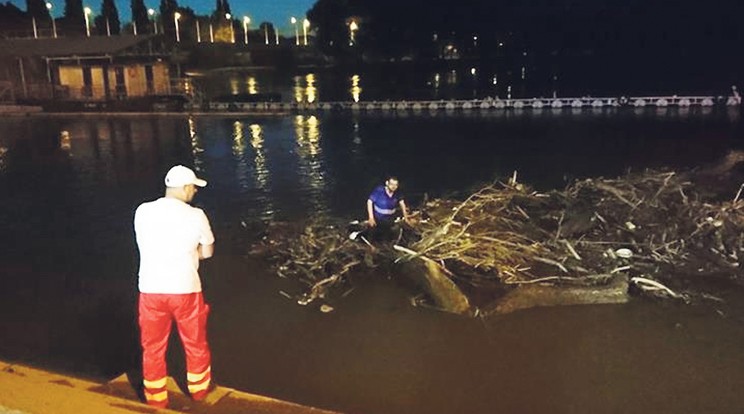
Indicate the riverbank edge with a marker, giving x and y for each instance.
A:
(140, 114)
(32, 390)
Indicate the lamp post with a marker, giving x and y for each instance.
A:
(297, 31)
(151, 13)
(54, 24)
(305, 26)
(176, 17)
(87, 11)
(246, 22)
(232, 29)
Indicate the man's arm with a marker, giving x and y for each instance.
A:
(206, 241)
(371, 213)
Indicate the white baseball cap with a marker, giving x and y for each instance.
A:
(180, 176)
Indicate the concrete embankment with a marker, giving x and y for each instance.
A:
(26, 390)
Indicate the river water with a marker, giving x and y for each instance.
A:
(523, 78)
(69, 261)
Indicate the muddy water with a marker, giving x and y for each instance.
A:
(69, 262)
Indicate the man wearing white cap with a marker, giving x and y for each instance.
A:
(172, 236)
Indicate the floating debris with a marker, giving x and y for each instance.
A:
(646, 227)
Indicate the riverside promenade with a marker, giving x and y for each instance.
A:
(26, 390)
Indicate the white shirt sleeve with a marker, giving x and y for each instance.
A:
(206, 236)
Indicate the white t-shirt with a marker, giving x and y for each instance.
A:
(169, 232)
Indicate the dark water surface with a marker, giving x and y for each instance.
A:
(521, 78)
(68, 265)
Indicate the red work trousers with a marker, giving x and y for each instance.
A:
(156, 315)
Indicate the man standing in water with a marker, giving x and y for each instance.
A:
(382, 206)
(172, 238)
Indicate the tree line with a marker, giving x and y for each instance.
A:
(619, 29)
(107, 21)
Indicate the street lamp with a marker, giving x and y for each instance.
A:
(305, 26)
(297, 31)
(54, 24)
(151, 13)
(246, 22)
(266, 33)
(87, 11)
(232, 29)
(177, 16)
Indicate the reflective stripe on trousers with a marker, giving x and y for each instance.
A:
(155, 392)
(199, 382)
(156, 315)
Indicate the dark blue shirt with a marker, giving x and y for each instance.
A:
(383, 205)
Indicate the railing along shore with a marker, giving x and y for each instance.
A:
(488, 104)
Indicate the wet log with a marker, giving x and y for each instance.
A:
(534, 295)
(449, 297)
(446, 295)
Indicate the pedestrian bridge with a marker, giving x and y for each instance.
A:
(488, 104)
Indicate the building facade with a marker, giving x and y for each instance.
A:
(98, 68)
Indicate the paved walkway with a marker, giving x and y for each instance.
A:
(27, 390)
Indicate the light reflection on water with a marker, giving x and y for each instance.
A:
(452, 80)
(410, 83)
(234, 86)
(252, 84)
(304, 89)
(318, 85)
(251, 171)
(243, 168)
(261, 170)
(311, 158)
(356, 89)
(3, 162)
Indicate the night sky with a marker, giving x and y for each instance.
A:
(277, 12)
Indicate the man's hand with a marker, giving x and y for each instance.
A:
(372, 222)
(205, 251)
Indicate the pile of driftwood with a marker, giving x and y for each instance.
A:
(647, 227)
(319, 255)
